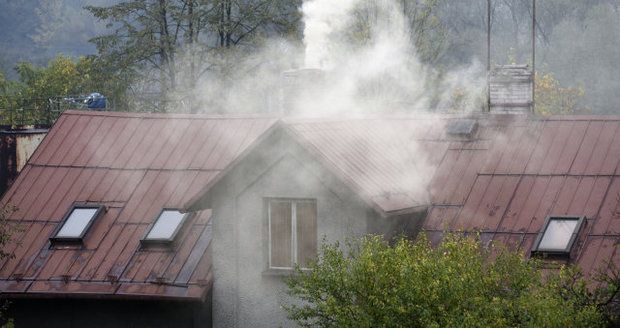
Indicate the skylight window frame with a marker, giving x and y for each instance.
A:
(575, 234)
(145, 241)
(79, 239)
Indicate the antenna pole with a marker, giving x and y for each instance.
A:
(533, 53)
(489, 55)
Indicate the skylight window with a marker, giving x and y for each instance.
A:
(166, 226)
(558, 235)
(76, 223)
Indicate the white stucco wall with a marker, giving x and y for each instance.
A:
(244, 295)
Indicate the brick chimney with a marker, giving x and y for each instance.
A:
(510, 89)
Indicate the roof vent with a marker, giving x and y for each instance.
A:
(510, 89)
(462, 128)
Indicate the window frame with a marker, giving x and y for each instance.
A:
(164, 241)
(569, 246)
(79, 239)
(294, 245)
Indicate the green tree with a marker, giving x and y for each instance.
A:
(6, 232)
(38, 89)
(168, 45)
(425, 30)
(459, 283)
(553, 99)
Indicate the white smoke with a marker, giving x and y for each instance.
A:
(365, 49)
(369, 65)
(322, 18)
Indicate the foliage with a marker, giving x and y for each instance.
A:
(168, 45)
(63, 76)
(425, 30)
(6, 229)
(552, 99)
(40, 90)
(571, 284)
(459, 283)
(6, 232)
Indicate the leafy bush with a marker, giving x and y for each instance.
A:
(459, 283)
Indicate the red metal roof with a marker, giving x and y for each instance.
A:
(528, 170)
(503, 181)
(389, 162)
(134, 164)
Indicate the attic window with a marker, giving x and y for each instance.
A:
(292, 232)
(76, 222)
(558, 235)
(166, 227)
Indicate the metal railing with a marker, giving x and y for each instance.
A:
(36, 111)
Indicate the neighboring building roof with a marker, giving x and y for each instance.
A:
(134, 164)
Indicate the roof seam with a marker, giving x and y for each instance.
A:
(124, 169)
(595, 219)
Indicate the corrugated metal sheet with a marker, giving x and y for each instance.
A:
(503, 180)
(135, 164)
(532, 169)
(384, 160)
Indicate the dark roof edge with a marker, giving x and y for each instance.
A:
(149, 115)
(409, 210)
(97, 296)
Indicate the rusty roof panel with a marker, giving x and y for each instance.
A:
(609, 209)
(115, 143)
(492, 216)
(588, 143)
(566, 195)
(56, 137)
(470, 208)
(543, 145)
(505, 160)
(511, 216)
(468, 178)
(556, 167)
(58, 198)
(69, 141)
(106, 253)
(454, 178)
(525, 148)
(74, 193)
(440, 217)
(554, 153)
(183, 254)
(583, 191)
(571, 147)
(170, 144)
(83, 145)
(601, 149)
(546, 203)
